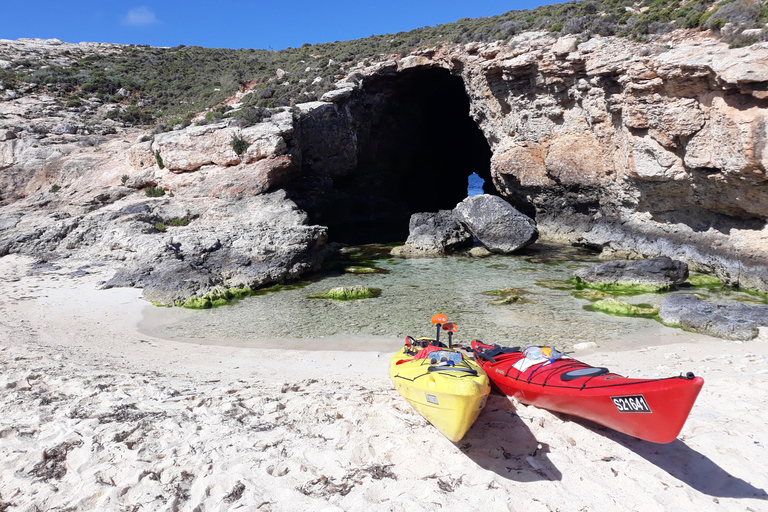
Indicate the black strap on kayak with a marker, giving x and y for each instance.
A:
(497, 350)
(447, 368)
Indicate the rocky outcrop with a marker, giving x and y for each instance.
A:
(432, 234)
(496, 224)
(654, 274)
(216, 220)
(730, 321)
(636, 149)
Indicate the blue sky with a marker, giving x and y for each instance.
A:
(235, 24)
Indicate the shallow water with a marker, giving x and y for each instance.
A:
(415, 289)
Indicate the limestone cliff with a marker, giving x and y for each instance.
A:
(636, 149)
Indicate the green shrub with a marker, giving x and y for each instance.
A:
(717, 23)
(557, 27)
(159, 159)
(239, 145)
(179, 222)
(54, 188)
(154, 192)
(160, 227)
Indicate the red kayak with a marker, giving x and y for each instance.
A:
(650, 409)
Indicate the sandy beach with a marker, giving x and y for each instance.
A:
(97, 414)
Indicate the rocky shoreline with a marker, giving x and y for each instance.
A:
(635, 149)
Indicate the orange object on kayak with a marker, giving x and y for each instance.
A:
(651, 409)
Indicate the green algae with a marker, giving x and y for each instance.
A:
(761, 296)
(506, 291)
(508, 299)
(509, 295)
(622, 287)
(557, 284)
(217, 297)
(281, 288)
(591, 295)
(703, 280)
(618, 307)
(360, 269)
(348, 293)
(221, 296)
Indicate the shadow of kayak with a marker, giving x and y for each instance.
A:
(681, 462)
(501, 442)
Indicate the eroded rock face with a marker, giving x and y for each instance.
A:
(220, 220)
(639, 150)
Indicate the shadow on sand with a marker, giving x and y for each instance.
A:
(681, 462)
(506, 446)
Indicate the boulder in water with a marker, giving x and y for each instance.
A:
(496, 224)
(735, 321)
(652, 275)
(432, 234)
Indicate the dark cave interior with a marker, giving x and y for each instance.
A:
(416, 147)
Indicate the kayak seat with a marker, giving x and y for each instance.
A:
(583, 372)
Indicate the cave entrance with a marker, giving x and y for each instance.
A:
(417, 147)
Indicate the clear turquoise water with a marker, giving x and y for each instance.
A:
(415, 289)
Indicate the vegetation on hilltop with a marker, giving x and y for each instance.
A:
(170, 84)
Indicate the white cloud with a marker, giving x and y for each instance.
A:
(139, 17)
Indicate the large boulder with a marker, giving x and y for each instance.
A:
(650, 275)
(496, 224)
(735, 321)
(432, 234)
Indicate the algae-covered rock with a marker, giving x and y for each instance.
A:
(349, 293)
(735, 321)
(644, 276)
(508, 299)
(218, 296)
(507, 291)
(619, 307)
(506, 296)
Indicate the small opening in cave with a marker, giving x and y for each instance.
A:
(475, 185)
(417, 150)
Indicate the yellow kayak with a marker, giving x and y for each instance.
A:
(444, 386)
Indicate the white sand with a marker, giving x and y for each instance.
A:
(96, 415)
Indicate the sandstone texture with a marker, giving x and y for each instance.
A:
(652, 274)
(730, 321)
